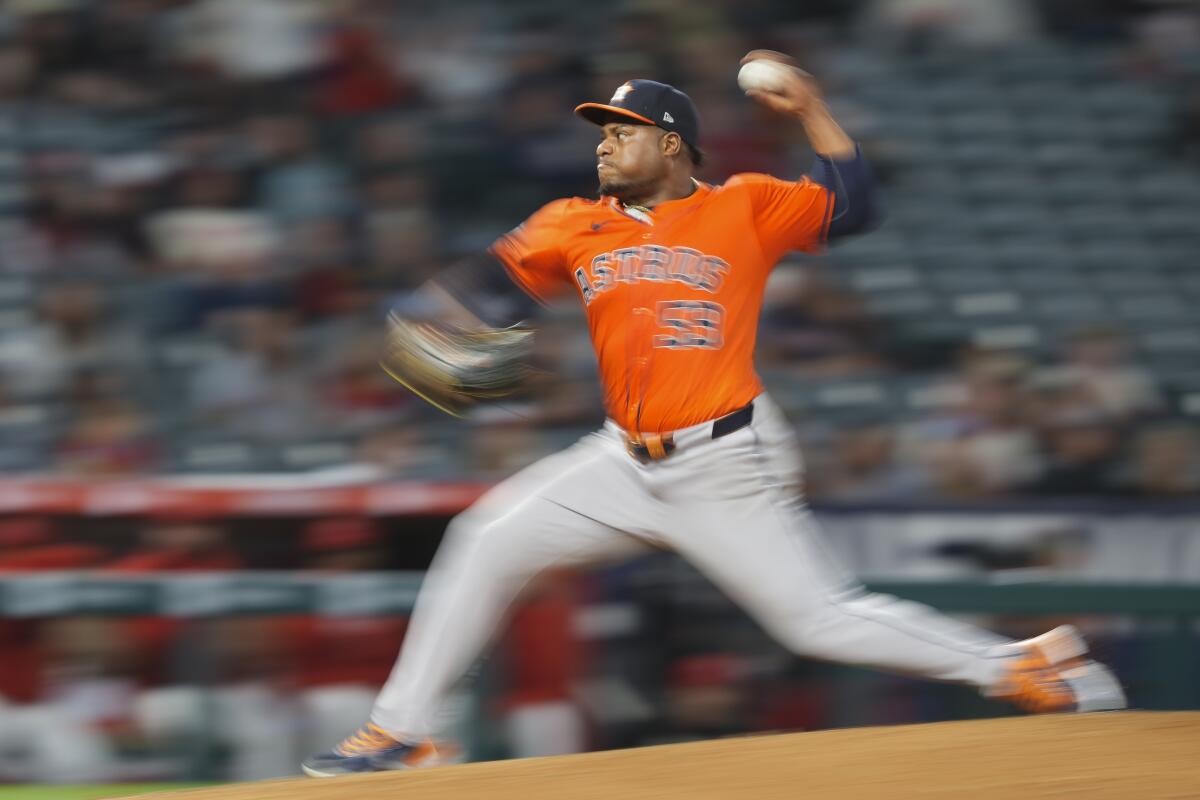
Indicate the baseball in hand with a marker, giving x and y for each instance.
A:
(763, 75)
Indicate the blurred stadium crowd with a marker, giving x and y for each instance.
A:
(208, 207)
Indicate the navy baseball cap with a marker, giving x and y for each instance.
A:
(651, 103)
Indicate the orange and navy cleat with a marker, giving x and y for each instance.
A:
(1051, 674)
(372, 749)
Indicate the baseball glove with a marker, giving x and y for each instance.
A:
(455, 368)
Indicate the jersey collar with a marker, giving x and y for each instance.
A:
(646, 216)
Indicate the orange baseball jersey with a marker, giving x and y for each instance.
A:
(673, 294)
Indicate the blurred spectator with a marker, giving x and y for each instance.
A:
(264, 42)
(64, 738)
(1101, 359)
(1081, 450)
(563, 381)
(74, 332)
(986, 447)
(221, 259)
(41, 735)
(242, 655)
(539, 146)
(107, 434)
(17, 70)
(254, 712)
(501, 447)
(1166, 462)
(919, 24)
(91, 675)
(66, 229)
(339, 662)
(1185, 132)
(706, 698)
(402, 253)
(257, 386)
(241, 706)
(357, 76)
(31, 544)
(400, 450)
(325, 287)
(1167, 35)
(178, 540)
(865, 466)
(298, 183)
(457, 60)
(358, 394)
(543, 659)
(639, 46)
(815, 328)
(25, 427)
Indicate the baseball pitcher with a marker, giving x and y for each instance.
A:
(694, 456)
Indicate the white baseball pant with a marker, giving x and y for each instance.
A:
(731, 506)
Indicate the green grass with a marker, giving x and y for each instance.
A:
(88, 792)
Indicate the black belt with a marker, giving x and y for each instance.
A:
(649, 447)
(733, 422)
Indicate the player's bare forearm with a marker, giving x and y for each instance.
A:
(826, 137)
(794, 93)
(474, 294)
(773, 80)
(450, 308)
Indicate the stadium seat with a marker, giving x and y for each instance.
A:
(1047, 277)
(1154, 307)
(1132, 279)
(885, 278)
(1017, 336)
(315, 454)
(966, 279)
(1172, 342)
(1072, 306)
(992, 304)
(909, 303)
(216, 455)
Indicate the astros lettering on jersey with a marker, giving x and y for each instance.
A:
(673, 294)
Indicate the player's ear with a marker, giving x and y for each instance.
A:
(671, 144)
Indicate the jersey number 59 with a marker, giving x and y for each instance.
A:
(690, 323)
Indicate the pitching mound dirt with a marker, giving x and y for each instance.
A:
(1126, 755)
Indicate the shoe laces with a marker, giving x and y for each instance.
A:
(1034, 686)
(367, 738)
(1042, 693)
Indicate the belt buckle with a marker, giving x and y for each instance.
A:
(647, 447)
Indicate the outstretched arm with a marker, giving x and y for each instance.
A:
(478, 293)
(840, 166)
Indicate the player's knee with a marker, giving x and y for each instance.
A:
(804, 631)
(494, 545)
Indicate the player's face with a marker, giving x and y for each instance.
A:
(629, 160)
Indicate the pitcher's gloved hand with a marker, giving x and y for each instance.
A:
(456, 368)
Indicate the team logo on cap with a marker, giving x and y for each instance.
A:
(620, 93)
(667, 117)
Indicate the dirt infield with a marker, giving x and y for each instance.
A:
(1123, 755)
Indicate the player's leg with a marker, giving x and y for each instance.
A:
(569, 509)
(738, 516)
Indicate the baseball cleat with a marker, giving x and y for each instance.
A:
(1051, 674)
(371, 749)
